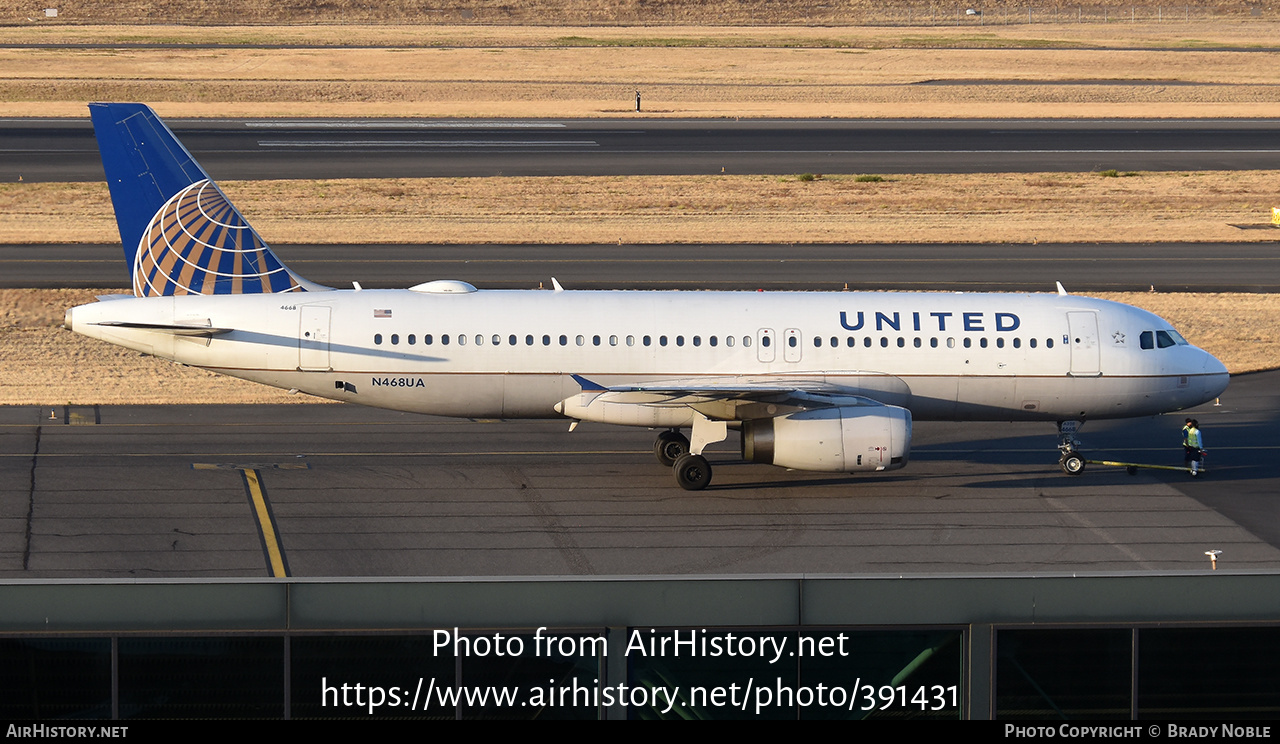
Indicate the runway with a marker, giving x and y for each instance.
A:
(1214, 267)
(142, 491)
(64, 149)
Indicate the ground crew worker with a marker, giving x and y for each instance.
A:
(1193, 447)
(1185, 425)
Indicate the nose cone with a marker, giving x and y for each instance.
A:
(1216, 378)
(66, 319)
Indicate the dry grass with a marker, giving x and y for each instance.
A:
(1080, 207)
(723, 72)
(47, 365)
(567, 12)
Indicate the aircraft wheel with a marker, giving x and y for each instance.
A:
(1072, 463)
(1131, 470)
(670, 446)
(693, 472)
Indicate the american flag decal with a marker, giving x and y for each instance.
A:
(382, 313)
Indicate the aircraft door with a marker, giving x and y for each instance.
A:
(792, 345)
(313, 338)
(1085, 349)
(764, 345)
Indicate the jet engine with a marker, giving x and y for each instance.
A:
(836, 440)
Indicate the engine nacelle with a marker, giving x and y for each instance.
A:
(835, 440)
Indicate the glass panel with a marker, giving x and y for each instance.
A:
(1057, 674)
(340, 677)
(52, 679)
(1223, 673)
(202, 677)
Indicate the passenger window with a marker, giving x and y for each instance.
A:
(1032, 342)
(697, 341)
(1017, 343)
(631, 340)
(968, 342)
(662, 340)
(764, 341)
(595, 340)
(1048, 343)
(712, 341)
(982, 342)
(1000, 343)
(647, 340)
(817, 342)
(792, 341)
(951, 343)
(613, 340)
(916, 342)
(746, 341)
(564, 340)
(546, 340)
(834, 342)
(679, 340)
(580, 340)
(884, 342)
(497, 340)
(528, 340)
(462, 340)
(377, 339)
(412, 339)
(479, 340)
(427, 339)
(395, 339)
(933, 342)
(444, 339)
(728, 341)
(902, 342)
(849, 342)
(866, 342)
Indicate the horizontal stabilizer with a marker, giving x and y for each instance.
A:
(177, 330)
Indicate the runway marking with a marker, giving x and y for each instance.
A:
(264, 517)
(250, 466)
(268, 532)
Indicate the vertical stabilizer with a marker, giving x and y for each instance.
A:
(181, 234)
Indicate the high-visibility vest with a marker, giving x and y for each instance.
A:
(1193, 439)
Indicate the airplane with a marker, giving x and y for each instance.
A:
(818, 381)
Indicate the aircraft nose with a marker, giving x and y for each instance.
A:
(66, 319)
(1216, 378)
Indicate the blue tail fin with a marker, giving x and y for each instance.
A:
(180, 233)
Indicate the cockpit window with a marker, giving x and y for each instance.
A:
(1164, 340)
(1177, 338)
(1147, 340)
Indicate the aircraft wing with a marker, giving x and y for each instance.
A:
(723, 399)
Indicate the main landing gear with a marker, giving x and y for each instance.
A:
(672, 449)
(1071, 461)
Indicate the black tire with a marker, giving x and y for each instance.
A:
(670, 446)
(692, 472)
(1072, 463)
(1131, 470)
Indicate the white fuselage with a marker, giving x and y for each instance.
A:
(511, 354)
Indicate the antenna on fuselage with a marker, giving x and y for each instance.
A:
(556, 285)
(1061, 289)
